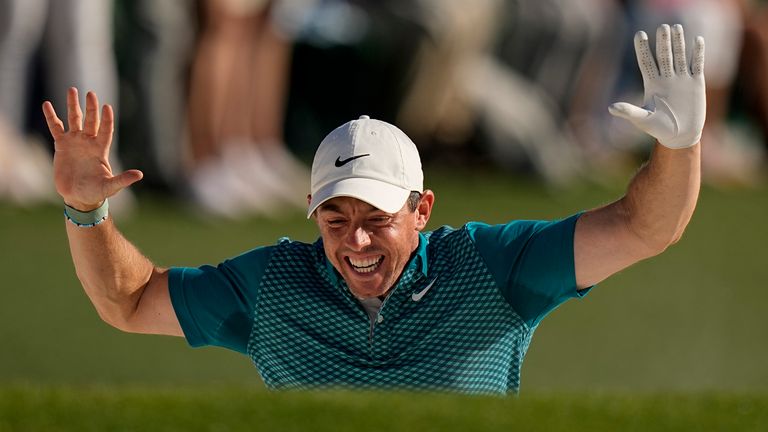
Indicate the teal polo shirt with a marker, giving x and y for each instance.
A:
(460, 317)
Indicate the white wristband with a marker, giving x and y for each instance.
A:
(87, 219)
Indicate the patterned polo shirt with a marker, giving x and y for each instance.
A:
(460, 317)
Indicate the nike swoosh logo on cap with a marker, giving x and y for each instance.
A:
(341, 163)
(417, 296)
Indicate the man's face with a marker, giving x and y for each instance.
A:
(368, 246)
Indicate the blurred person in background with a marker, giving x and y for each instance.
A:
(507, 69)
(350, 57)
(239, 163)
(375, 302)
(25, 168)
(592, 90)
(436, 112)
(154, 43)
(751, 85)
(74, 40)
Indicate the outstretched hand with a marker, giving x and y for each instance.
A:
(81, 169)
(674, 107)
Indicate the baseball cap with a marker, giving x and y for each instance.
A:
(367, 159)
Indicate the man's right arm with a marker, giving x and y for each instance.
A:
(128, 291)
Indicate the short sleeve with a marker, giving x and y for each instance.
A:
(215, 305)
(532, 263)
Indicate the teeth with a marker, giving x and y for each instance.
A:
(365, 265)
(365, 262)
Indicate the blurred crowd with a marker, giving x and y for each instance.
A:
(222, 102)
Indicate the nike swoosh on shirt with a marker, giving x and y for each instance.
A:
(341, 163)
(417, 296)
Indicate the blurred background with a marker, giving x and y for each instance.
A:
(221, 103)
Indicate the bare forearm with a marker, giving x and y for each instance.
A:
(113, 272)
(662, 196)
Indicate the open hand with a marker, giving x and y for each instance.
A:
(81, 170)
(674, 107)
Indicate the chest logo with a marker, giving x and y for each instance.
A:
(418, 296)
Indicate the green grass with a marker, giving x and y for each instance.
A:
(674, 343)
(33, 408)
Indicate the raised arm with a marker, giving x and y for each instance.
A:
(128, 291)
(662, 196)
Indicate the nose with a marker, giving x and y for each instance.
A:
(358, 239)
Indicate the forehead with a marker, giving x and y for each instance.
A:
(344, 204)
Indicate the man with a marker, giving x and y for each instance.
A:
(376, 302)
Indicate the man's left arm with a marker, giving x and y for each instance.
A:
(652, 216)
(662, 196)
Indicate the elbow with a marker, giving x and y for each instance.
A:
(658, 249)
(651, 242)
(116, 304)
(653, 236)
(658, 243)
(673, 238)
(676, 238)
(118, 320)
(119, 311)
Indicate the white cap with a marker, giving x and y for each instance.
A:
(367, 159)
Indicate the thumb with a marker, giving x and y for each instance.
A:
(119, 182)
(628, 111)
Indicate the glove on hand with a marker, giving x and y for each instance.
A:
(675, 103)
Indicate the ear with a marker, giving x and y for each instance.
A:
(424, 210)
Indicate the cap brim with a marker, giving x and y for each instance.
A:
(381, 195)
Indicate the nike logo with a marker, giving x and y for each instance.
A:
(417, 296)
(341, 163)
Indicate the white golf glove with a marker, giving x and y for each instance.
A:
(675, 104)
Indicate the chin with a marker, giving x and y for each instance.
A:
(367, 290)
(366, 285)
(367, 293)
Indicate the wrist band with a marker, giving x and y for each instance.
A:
(87, 219)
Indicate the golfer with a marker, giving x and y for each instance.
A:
(377, 302)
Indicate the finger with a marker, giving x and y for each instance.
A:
(91, 114)
(55, 125)
(107, 125)
(644, 57)
(664, 51)
(698, 57)
(628, 111)
(74, 114)
(678, 50)
(122, 181)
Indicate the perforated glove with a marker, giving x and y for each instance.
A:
(674, 103)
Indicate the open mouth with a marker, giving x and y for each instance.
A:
(365, 265)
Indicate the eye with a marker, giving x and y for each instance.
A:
(380, 220)
(335, 223)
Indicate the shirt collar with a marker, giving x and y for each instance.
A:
(420, 255)
(419, 261)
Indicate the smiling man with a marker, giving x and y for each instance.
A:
(369, 206)
(376, 301)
